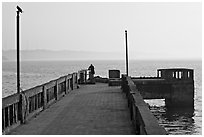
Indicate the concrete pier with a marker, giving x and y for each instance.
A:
(176, 86)
(90, 110)
(62, 106)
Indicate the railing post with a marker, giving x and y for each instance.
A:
(3, 119)
(8, 117)
(66, 85)
(75, 80)
(22, 108)
(71, 83)
(85, 78)
(44, 97)
(56, 90)
(13, 107)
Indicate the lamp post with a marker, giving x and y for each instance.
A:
(126, 52)
(19, 10)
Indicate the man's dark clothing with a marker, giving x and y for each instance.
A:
(91, 68)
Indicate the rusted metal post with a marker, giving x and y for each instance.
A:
(126, 52)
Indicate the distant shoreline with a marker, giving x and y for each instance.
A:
(78, 60)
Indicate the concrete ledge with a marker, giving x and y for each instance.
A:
(101, 80)
(114, 82)
(9, 100)
(143, 120)
(150, 123)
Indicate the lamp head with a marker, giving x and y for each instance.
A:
(19, 9)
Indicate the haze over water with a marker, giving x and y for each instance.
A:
(182, 121)
(156, 31)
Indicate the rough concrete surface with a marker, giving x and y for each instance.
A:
(90, 110)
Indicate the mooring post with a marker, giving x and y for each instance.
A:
(19, 10)
(126, 52)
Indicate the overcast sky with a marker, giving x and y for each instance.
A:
(155, 30)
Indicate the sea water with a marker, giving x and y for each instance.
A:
(175, 121)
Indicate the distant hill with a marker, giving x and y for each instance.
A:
(40, 55)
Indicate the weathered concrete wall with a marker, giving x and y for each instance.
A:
(154, 91)
(182, 95)
(176, 92)
(143, 120)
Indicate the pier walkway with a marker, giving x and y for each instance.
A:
(90, 110)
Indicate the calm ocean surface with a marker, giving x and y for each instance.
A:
(175, 121)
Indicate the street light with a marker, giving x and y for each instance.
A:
(19, 10)
(126, 43)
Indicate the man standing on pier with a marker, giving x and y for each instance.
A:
(91, 74)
